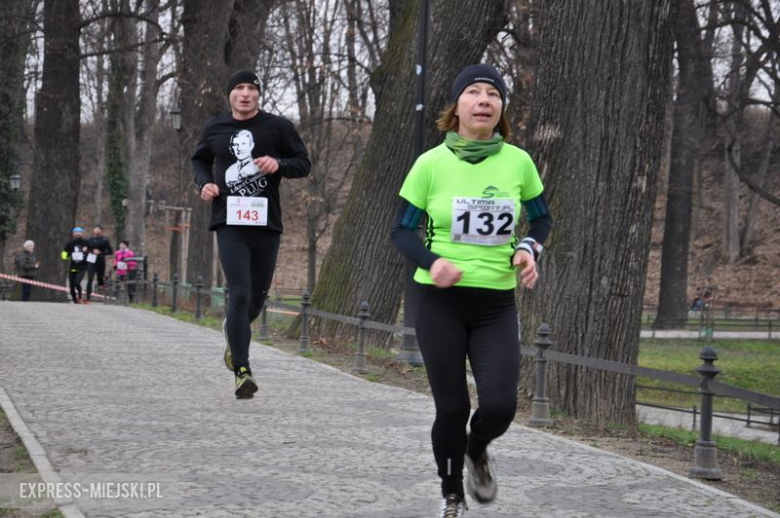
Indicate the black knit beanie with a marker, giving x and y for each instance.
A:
(243, 76)
(479, 74)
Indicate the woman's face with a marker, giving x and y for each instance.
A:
(122, 246)
(478, 110)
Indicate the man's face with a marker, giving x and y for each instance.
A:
(97, 231)
(242, 146)
(244, 101)
(78, 235)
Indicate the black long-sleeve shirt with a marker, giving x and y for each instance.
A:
(223, 157)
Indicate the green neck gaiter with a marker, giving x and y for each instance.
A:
(473, 150)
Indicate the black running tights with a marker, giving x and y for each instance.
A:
(482, 325)
(248, 257)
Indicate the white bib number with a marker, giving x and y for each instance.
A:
(77, 257)
(244, 210)
(91, 258)
(121, 265)
(480, 221)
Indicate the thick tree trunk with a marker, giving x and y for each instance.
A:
(689, 110)
(360, 264)
(597, 132)
(55, 179)
(217, 40)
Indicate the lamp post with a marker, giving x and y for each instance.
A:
(176, 119)
(410, 350)
(15, 181)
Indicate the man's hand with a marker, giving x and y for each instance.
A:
(444, 273)
(267, 164)
(528, 273)
(209, 192)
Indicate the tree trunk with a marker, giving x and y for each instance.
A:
(732, 148)
(770, 143)
(359, 264)
(144, 117)
(217, 41)
(689, 109)
(597, 132)
(15, 18)
(55, 179)
(118, 132)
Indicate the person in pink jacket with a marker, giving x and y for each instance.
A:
(125, 267)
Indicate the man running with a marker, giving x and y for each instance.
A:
(257, 149)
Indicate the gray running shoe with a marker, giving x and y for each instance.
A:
(481, 481)
(227, 354)
(452, 506)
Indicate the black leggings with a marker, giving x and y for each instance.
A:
(74, 280)
(248, 257)
(479, 324)
(97, 268)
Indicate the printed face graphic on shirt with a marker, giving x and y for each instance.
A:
(243, 178)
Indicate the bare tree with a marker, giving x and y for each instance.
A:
(770, 144)
(358, 265)
(15, 21)
(218, 38)
(55, 178)
(694, 94)
(597, 135)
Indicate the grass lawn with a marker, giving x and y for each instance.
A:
(753, 365)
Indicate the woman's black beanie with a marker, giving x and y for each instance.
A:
(479, 74)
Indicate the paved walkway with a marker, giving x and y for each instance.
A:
(720, 426)
(111, 393)
(687, 333)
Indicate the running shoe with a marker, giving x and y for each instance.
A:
(481, 481)
(245, 384)
(452, 506)
(227, 354)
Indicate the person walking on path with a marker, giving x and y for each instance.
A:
(76, 251)
(257, 149)
(27, 267)
(125, 267)
(471, 189)
(99, 247)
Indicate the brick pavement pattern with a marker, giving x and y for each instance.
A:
(109, 389)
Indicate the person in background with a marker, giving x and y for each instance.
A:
(125, 267)
(27, 267)
(99, 248)
(76, 252)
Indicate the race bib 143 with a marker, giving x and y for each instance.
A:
(244, 210)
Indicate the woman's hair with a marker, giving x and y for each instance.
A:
(448, 121)
(125, 241)
(28, 245)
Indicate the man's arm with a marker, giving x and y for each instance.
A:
(202, 163)
(294, 163)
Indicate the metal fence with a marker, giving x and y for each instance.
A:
(705, 456)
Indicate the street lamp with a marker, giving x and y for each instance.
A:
(176, 119)
(16, 181)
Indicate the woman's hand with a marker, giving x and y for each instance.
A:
(527, 265)
(444, 273)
